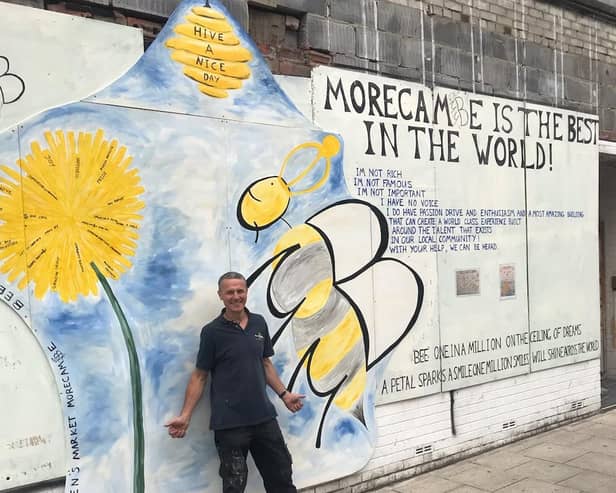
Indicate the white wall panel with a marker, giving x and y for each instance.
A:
(59, 58)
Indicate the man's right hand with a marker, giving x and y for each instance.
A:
(177, 426)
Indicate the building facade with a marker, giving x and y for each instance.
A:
(559, 55)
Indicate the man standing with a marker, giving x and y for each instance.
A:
(235, 350)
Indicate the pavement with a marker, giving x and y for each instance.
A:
(577, 457)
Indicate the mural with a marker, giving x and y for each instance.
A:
(150, 189)
(425, 257)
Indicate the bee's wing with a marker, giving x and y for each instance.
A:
(355, 233)
(387, 292)
(390, 308)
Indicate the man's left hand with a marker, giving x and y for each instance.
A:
(293, 401)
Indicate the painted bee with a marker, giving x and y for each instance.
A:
(321, 272)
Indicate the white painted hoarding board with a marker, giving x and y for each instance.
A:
(563, 228)
(483, 326)
(455, 174)
(48, 59)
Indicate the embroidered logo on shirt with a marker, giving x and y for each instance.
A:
(259, 337)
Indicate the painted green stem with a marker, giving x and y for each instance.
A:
(135, 380)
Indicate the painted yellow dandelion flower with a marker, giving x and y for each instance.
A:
(210, 52)
(77, 202)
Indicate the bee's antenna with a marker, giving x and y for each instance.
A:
(285, 221)
(207, 3)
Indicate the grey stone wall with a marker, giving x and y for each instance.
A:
(561, 53)
(540, 51)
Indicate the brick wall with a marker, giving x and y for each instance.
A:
(417, 435)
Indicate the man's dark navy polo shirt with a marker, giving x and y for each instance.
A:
(234, 359)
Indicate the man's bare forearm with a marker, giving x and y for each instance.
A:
(194, 391)
(271, 377)
(292, 400)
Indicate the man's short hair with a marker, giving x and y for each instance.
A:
(230, 275)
